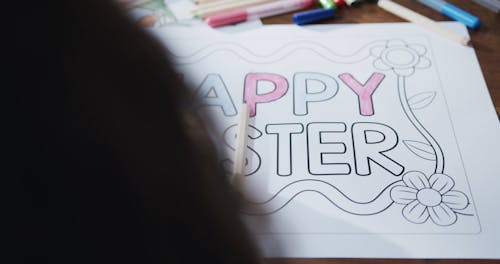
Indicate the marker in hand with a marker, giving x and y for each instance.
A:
(255, 12)
(241, 145)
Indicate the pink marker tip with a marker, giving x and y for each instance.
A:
(227, 18)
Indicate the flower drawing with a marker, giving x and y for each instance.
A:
(431, 197)
(400, 57)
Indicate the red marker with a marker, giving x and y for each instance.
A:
(339, 2)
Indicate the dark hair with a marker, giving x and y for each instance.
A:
(112, 162)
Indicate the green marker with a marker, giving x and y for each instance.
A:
(327, 4)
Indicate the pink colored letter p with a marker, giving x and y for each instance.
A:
(252, 98)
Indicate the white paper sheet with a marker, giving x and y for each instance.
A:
(366, 140)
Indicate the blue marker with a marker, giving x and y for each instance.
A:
(307, 17)
(452, 12)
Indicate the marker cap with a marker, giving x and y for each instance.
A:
(350, 2)
(460, 15)
(312, 16)
(339, 2)
(327, 4)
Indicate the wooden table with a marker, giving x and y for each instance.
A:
(486, 42)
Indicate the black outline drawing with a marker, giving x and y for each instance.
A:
(227, 94)
(309, 165)
(421, 149)
(368, 159)
(421, 100)
(278, 145)
(287, 193)
(257, 87)
(439, 168)
(251, 135)
(408, 110)
(276, 55)
(418, 101)
(363, 85)
(307, 102)
(451, 207)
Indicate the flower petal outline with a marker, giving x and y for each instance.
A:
(396, 43)
(442, 215)
(423, 63)
(455, 200)
(416, 180)
(416, 212)
(419, 49)
(441, 183)
(403, 194)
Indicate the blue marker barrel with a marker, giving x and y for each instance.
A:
(311, 16)
(453, 12)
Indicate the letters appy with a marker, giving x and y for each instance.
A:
(326, 151)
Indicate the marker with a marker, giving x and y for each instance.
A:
(204, 1)
(331, 3)
(313, 16)
(327, 4)
(206, 5)
(339, 3)
(241, 145)
(209, 9)
(426, 22)
(352, 2)
(453, 12)
(493, 5)
(255, 12)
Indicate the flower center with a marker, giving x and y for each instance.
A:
(429, 197)
(402, 57)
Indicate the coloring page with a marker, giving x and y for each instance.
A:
(351, 137)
